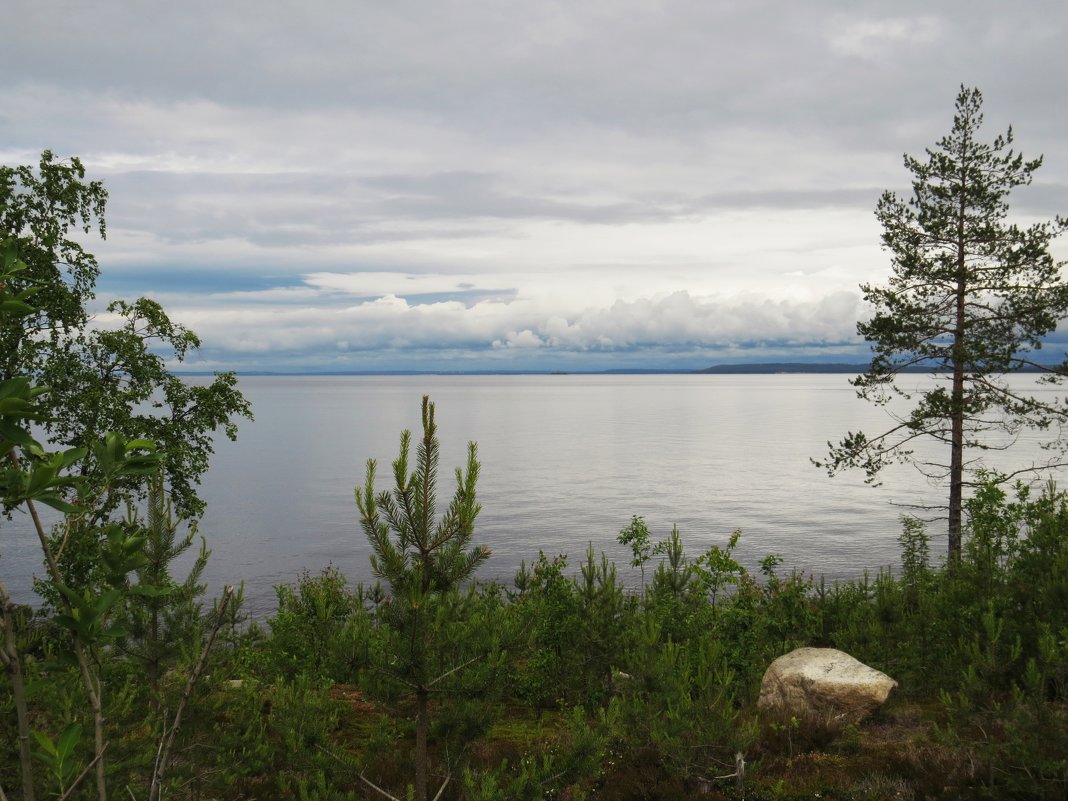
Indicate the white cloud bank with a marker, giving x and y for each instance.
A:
(445, 334)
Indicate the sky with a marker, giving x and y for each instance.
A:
(536, 185)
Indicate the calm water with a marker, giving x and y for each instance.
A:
(566, 460)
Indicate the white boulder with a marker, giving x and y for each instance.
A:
(824, 683)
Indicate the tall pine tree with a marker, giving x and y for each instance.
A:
(971, 297)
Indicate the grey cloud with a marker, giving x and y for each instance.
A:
(791, 199)
(267, 210)
(506, 69)
(466, 194)
(288, 209)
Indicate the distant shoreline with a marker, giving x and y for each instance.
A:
(756, 368)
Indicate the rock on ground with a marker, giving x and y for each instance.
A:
(824, 683)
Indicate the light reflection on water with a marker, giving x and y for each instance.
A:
(566, 460)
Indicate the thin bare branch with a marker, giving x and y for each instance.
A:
(441, 789)
(164, 757)
(84, 773)
(445, 675)
(378, 789)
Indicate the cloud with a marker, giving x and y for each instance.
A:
(520, 339)
(875, 38)
(677, 322)
(410, 286)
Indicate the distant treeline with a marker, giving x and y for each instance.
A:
(828, 367)
(787, 367)
(755, 368)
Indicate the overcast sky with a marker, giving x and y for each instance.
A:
(436, 184)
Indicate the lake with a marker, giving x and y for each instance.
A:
(566, 461)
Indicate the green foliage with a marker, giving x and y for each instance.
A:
(87, 610)
(1019, 737)
(46, 279)
(108, 378)
(44, 481)
(549, 608)
(58, 756)
(1011, 577)
(320, 628)
(161, 615)
(636, 536)
(605, 616)
(986, 636)
(566, 767)
(677, 703)
(321, 704)
(262, 740)
(716, 570)
(39, 212)
(785, 607)
(117, 379)
(674, 596)
(14, 300)
(916, 574)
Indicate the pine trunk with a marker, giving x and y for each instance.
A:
(956, 470)
(956, 456)
(422, 726)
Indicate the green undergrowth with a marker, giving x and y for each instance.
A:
(565, 686)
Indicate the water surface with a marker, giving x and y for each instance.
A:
(566, 461)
